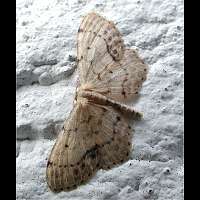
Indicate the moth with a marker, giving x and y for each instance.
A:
(97, 134)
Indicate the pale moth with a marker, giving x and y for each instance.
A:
(97, 134)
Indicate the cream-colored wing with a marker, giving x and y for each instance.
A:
(74, 157)
(114, 139)
(105, 66)
(121, 80)
(98, 44)
(93, 137)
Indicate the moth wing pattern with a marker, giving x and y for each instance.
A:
(114, 139)
(123, 79)
(98, 44)
(94, 137)
(97, 134)
(104, 63)
(73, 158)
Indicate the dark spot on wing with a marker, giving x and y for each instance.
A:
(89, 118)
(123, 93)
(80, 30)
(92, 153)
(75, 171)
(96, 132)
(118, 118)
(99, 76)
(83, 166)
(49, 163)
(97, 165)
(115, 51)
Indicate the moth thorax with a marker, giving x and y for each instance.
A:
(81, 101)
(80, 94)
